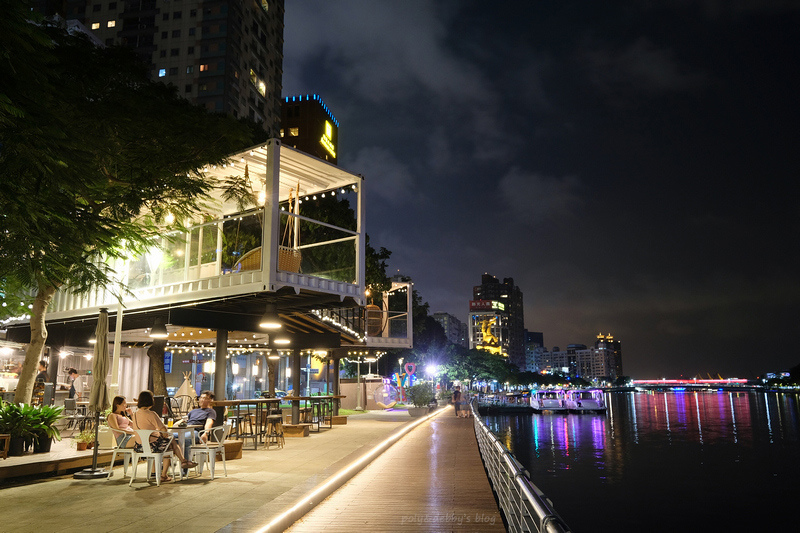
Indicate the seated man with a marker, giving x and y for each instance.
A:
(203, 416)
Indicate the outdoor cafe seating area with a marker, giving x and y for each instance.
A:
(242, 425)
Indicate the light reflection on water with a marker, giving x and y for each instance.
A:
(658, 461)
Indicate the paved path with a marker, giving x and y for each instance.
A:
(431, 480)
(267, 490)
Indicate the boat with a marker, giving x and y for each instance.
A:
(549, 400)
(586, 401)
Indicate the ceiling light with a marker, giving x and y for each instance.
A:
(271, 320)
(159, 330)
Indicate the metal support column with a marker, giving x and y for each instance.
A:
(295, 359)
(220, 373)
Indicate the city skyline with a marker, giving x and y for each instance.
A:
(631, 167)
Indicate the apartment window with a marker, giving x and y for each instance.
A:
(162, 72)
(188, 88)
(192, 13)
(173, 71)
(164, 35)
(163, 53)
(112, 5)
(203, 68)
(190, 69)
(166, 16)
(174, 52)
(294, 132)
(95, 25)
(176, 33)
(96, 8)
(190, 50)
(112, 23)
(203, 87)
(177, 15)
(281, 132)
(191, 31)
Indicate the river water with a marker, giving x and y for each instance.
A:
(666, 461)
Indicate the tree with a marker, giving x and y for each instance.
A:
(93, 156)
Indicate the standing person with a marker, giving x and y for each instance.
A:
(42, 375)
(145, 418)
(119, 419)
(457, 399)
(76, 385)
(465, 410)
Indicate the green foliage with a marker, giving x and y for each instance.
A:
(421, 394)
(87, 436)
(29, 422)
(47, 417)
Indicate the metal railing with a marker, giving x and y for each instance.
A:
(525, 507)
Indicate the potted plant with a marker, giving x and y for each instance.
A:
(47, 417)
(84, 439)
(443, 397)
(21, 422)
(421, 395)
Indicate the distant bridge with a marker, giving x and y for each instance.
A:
(692, 383)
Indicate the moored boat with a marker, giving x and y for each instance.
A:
(549, 400)
(586, 401)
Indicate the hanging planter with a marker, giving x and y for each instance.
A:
(289, 256)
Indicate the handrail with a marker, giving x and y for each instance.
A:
(524, 506)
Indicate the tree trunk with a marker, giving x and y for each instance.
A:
(156, 354)
(272, 374)
(38, 337)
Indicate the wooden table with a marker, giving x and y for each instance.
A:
(259, 403)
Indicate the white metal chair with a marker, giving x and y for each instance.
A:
(156, 458)
(206, 452)
(121, 449)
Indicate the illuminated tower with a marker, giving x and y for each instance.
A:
(610, 351)
(497, 323)
(308, 125)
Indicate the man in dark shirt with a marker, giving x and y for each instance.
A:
(203, 416)
(42, 375)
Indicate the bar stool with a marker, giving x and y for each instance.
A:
(274, 431)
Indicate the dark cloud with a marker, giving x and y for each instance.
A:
(632, 166)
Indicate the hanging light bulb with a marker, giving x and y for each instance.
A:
(271, 320)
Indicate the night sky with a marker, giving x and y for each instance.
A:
(631, 165)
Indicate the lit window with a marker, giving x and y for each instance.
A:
(294, 132)
(162, 72)
(95, 25)
(262, 88)
(190, 69)
(203, 68)
(112, 23)
(281, 132)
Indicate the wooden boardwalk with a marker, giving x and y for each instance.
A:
(430, 480)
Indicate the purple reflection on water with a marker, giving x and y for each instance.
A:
(658, 461)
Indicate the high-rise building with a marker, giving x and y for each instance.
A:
(612, 353)
(224, 55)
(603, 362)
(534, 343)
(454, 329)
(497, 323)
(308, 125)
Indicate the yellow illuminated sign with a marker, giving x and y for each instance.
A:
(327, 139)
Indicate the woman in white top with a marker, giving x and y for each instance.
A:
(144, 418)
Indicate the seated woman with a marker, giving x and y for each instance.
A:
(145, 418)
(118, 420)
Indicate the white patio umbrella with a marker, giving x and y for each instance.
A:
(98, 397)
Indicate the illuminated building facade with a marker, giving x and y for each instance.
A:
(224, 55)
(308, 125)
(497, 323)
(534, 343)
